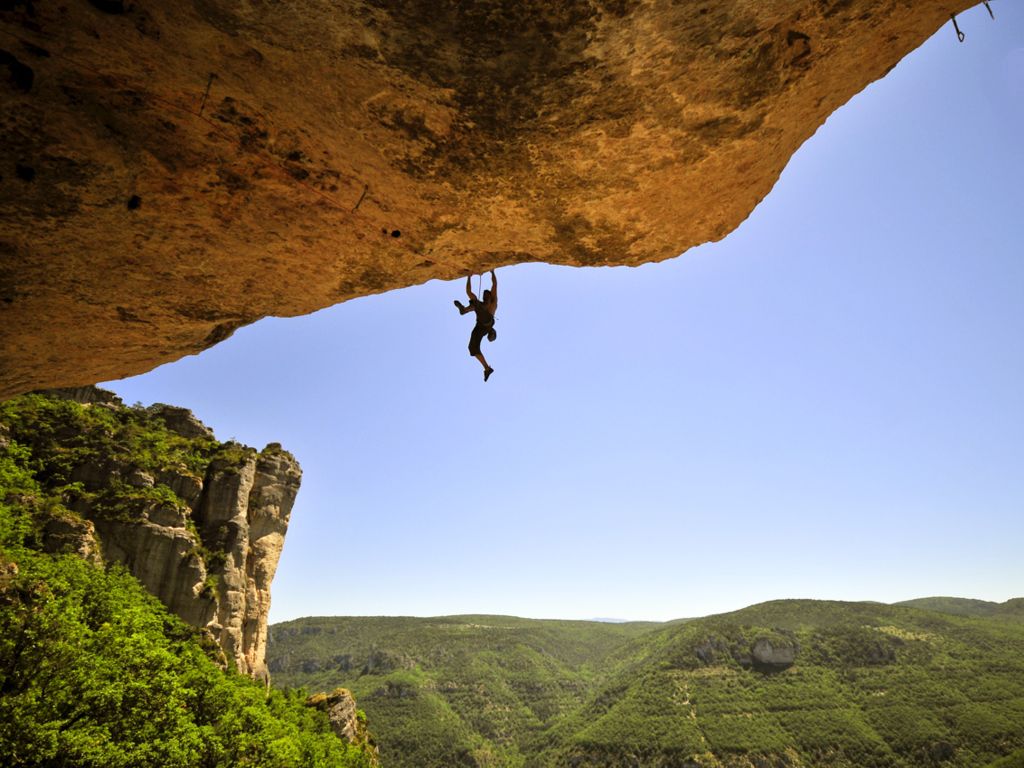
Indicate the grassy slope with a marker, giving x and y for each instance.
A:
(872, 685)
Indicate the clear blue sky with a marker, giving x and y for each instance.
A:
(829, 403)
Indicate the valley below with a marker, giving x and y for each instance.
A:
(939, 681)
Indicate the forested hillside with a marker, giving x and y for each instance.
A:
(455, 690)
(809, 683)
(787, 683)
(1011, 610)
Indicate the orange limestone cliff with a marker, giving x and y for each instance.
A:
(170, 172)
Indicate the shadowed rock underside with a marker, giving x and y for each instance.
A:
(170, 172)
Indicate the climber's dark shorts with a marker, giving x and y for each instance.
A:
(479, 331)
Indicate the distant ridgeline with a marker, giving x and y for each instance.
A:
(103, 510)
(777, 685)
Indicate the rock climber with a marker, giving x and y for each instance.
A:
(485, 310)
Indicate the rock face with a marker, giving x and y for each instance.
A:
(163, 554)
(241, 510)
(69, 535)
(205, 543)
(773, 656)
(180, 420)
(348, 723)
(764, 654)
(244, 513)
(172, 171)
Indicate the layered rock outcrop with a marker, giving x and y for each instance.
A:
(772, 655)
(244, 513)
(763, 653)
(204, 536)
(348, 722)
(172, 171)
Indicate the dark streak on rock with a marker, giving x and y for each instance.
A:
(11, 5)
(801, 45)
(35, 50)
(590, 244)
(222, 331)
(232, 181)
(20, 74)
(520, 53)
(832, 7)
(253, 136)
(127, 316)
(760, 75)
(373, 279)
(108, 6)
(200, 312)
